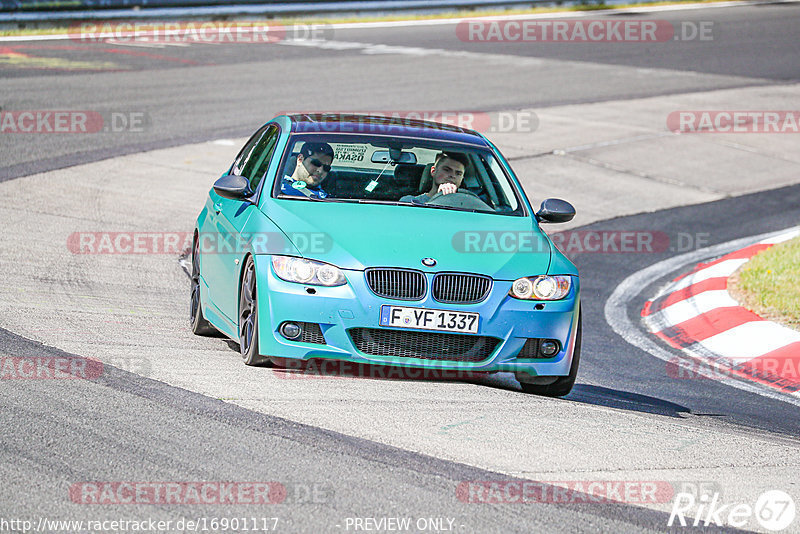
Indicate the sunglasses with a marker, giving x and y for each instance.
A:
(317, 163)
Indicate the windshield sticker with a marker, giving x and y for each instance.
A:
(299, 184)
(350, 152)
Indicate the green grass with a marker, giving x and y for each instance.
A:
(770, 283)
(45, 28)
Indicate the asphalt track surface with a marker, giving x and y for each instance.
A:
(202, 92)
(122, 426)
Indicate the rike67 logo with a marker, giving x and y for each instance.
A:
(774, 510)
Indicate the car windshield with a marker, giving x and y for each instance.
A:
(381, 169)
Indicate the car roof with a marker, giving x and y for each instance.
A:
(396, 126)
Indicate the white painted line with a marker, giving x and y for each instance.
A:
(722, 269)
(781, 238)
(624, 140)
(331, 45)
(377, 49)
(616, 314)
(116, 42)
(693, 306)
(23, 38)
(750, 340)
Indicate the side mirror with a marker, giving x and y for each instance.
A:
(555, 210)
(233, 187)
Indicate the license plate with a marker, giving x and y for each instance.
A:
(442, 320)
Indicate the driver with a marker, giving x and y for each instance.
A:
(313, 165)
(447, 174)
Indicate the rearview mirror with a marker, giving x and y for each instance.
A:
(555, 210)
(233, 187)
(396, 156)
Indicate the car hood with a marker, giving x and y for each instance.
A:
(356, 236)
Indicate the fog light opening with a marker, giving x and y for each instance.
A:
(549, 348)
(291, 330)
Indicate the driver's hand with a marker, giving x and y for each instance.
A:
(448, 188)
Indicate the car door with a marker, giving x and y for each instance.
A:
(229, 218)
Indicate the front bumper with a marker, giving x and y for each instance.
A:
(340, 309)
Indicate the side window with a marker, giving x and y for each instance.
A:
(256, 166)
(253, 160)
(245, 153)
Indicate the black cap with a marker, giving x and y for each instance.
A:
(316, 148)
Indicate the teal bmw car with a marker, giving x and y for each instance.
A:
(384, 241)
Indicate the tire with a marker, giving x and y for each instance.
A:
(563, 384)
(248, 317)
(200, 326)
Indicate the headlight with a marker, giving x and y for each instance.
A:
(541, 287)
(305, 271)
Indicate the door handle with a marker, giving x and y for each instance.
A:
(217, 208)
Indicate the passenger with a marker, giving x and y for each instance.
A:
(447, 174)
(313, 165)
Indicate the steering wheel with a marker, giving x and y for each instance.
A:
(460, 199)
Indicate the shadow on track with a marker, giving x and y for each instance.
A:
(625, 400)
(582, 393)
(601, 396)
